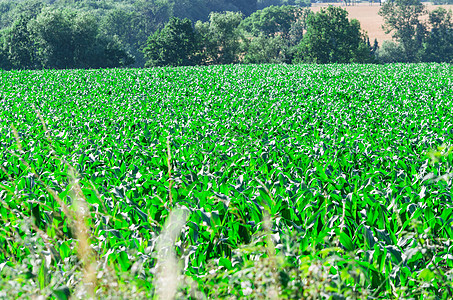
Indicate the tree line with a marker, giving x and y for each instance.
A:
(96, 33)
(59, 34)
(285, 34)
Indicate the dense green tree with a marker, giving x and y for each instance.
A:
(245, 6)
(174, 45)
(263, 49)
(332, 38)
(220, 38)
(5, 63)
(19, 45)
(271, 21)
(149, 16)
(94, 34)
(59, 39)
(296, 32)
(438, 45)
(391, 52)
(199, 10)
(153, 15)
(29, 8)
(123, 24)
(127, 24)
(5, 9)
(402, 19)
(272, 34)
(53, 31)
(92, 50)
(111, 54)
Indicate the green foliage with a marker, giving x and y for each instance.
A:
(332, 38)
(124, 24)
(175, 45)
(272, 34)
(246, 7)
(402, 19)
(114, 33)
(18, 46)
(53, 31)
(60, 39)
(199, 10)
(417, 39)
(220, 38)
(391, 52)
(263, 49)
(271, 21)
(294, 181)
(5, 8)
(438, 45)
(107, 53)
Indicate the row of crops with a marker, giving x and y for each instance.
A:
(272, 181)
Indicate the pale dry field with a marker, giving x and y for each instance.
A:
(369, 19)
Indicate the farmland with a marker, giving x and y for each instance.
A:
(369, 18)
(268, 181)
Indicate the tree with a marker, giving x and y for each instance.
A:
(296, 32)
(271, 21)
(70, 39)
(53, 32)
(84, 34)
(93, 50)
(123, 25)
(6, 8)
(19, 46)
(332, 38)
(174, 45)
(111, 54)
(220, 38)
(28, 8)
(272, 34)
(152, 15)
(264, 49)
(402, 19)
(245, 6)
(391, 52)
(438, 46)
(199, 10)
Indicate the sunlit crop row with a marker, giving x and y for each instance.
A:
(272, 166)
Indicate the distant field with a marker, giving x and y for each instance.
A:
(369, 19)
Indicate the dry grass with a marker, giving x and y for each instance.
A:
(369, 19)
(168, 271)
